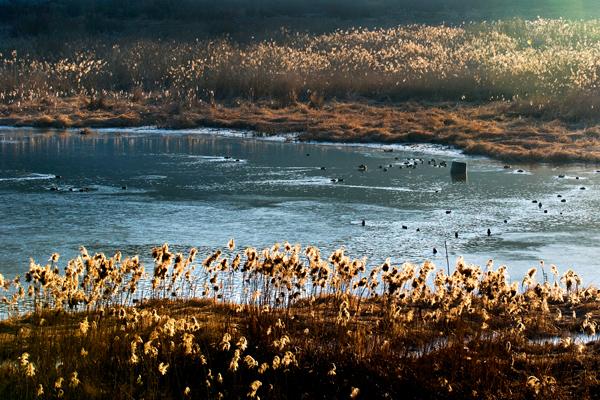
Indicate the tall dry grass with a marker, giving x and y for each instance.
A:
(533, 64)
(287, 322)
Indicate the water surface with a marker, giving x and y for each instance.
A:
(134, 189)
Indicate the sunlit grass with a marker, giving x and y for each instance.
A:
(536, 62)
(286, 322)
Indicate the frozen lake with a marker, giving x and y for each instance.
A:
(133, 189)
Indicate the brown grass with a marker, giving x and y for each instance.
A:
(499, 130)
(302, 326)
(382, 362)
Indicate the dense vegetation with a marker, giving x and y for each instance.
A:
(542, 62)
(286, 322)
(515, 88)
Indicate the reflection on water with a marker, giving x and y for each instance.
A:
(133, 189)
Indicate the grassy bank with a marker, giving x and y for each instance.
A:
(515, 89)
(290, 323)
(499, 130)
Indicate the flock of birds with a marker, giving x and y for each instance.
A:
(85, 189)
(409, 163)
(412, 163)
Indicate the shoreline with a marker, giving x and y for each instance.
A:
(492, 129)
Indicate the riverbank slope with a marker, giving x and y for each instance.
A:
(500, 130)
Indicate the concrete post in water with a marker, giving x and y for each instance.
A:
(458, 171)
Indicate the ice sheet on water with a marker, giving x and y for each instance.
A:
(28, 177)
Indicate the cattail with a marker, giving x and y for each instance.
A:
(534, 384)
(162, 368)
(242, 343)
(27, 367)
(250, 362)
(225, 342)
(276, 362)
(234, 363)
(187, 342)
(84, 326)
(332, 372)
(263, 368)
(566, 342)
(288, 359)
(74, 381)
(254, 386)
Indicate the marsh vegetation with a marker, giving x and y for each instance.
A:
(512, 89)
(288, 322)
(518, 80)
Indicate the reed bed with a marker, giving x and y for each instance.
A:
(516, 90)
(287, 322)
(533, 63)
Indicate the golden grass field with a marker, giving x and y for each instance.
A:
(290, 323)
(514, 89)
